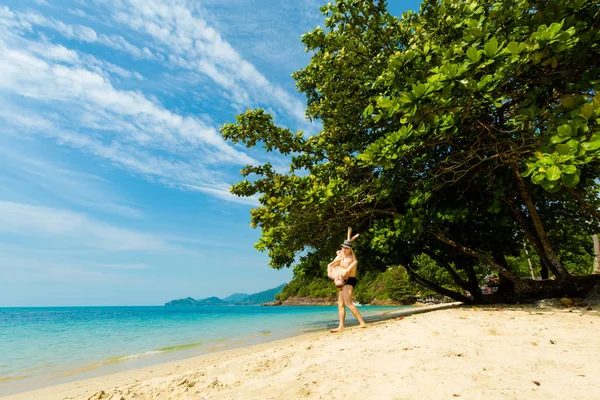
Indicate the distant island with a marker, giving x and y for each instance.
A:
(238, 299)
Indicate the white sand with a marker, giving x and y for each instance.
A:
(468, 353)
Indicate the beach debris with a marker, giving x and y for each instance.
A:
(567, 302)
(309, 347)
(536, 383)
(187, 383)
(456, 395)
(545, 303)
(552, 341)
(98, 395)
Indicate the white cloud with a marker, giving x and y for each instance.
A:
(70, 96)
(24, 74)
(28, 173)
(27, 20)
(78, 229)
(222, 192)
(25, 268)
(193, 44)
(81, 108)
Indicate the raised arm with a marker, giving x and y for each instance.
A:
(347, 270)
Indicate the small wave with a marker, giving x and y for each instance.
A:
(153, 352)
(180, 347)
(132, 356)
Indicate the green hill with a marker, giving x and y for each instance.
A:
(212, 301)
(234, 299)
(261, 297)
(188, 301)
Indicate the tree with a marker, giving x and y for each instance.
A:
(459, 132)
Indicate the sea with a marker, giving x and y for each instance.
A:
(46, 346)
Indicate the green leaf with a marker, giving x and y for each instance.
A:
(529, 170)
(513, 47)
(592, 145)
(551, 187)
(565, 130)
(384, 102)
(491, 47)
(571, 180)
(477, 32)
(538, 178)
(568, 102)
(568, 169)
(563, 148)
(473, 54)
(587, 110)
(553, 173)
(558, 139)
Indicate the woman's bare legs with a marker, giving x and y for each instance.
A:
(347, 296)
(341, 311)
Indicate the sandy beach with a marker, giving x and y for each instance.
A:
(509, 352)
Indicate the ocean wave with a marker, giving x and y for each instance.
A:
(153, 352)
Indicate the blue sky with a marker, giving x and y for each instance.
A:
(114, 180)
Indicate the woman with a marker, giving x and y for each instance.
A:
(345, 265)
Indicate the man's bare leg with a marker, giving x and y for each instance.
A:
(347, 292)
(341, 312)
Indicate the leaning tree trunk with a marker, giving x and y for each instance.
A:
(596, 255)
(467, 286)
(559, 270)
(505, 285)
(435, 287)
(535, 242)
(473, 281)
(521, 286)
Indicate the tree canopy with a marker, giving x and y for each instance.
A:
(462, 132)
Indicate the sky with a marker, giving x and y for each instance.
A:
(114, 179)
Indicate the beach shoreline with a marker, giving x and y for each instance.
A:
(33, 377)
(473, 352)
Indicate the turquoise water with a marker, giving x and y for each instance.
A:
(45, 346)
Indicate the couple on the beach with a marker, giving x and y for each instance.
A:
(342, 270)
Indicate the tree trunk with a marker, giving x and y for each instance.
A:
(561, 273)
(544, 271)
(505, 285)
(531, 235)
(473, 281)
(444, 264)
(596, 255)
(520, 285)
(437, 288)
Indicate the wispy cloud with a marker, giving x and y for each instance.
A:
(57, 92)
(27, 21)
(25, 173)
(79, 229)
(14, 266)
(179, 30)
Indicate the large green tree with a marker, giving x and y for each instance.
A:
(460, 132)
